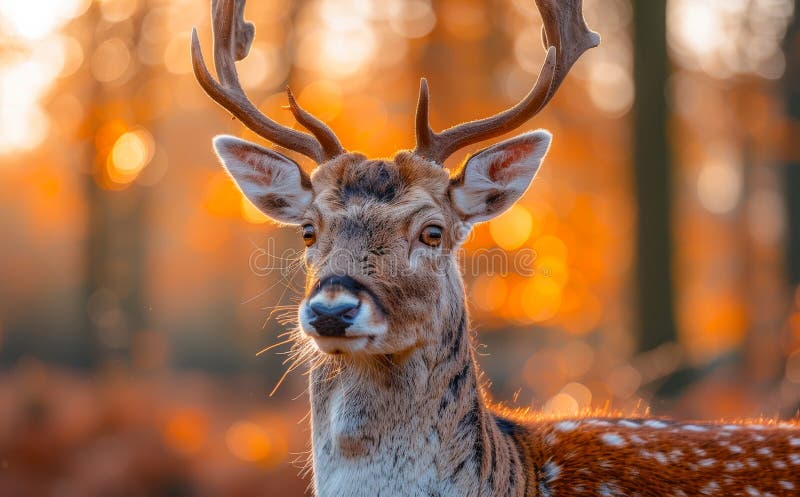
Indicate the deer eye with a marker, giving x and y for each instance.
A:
(309, 235)
(431, 236)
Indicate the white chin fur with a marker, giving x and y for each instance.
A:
(340, 345)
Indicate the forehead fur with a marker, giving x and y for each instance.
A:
(354, 178)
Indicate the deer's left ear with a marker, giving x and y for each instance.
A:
(493, 179)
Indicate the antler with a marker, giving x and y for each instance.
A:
(566, 37)
(232, 39)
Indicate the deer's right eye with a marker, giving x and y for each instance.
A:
(309, 235)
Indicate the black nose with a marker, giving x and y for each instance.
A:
(332, 321)
(339, 311)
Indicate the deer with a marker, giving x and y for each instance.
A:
(398, 407)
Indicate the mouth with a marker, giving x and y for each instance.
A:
(341, 344)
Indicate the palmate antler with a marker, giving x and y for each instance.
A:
(232, 39)
(566, 37)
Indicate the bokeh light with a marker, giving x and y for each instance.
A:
(37, 19)
(489, 292)
(111, 60)
(186, 430)
(323, 98)
(711, 35)
(719, 187)
(511, 229)
(248, 441)
(131, 153)
(41, 54)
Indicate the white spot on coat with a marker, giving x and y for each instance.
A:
(609, 490)
(613, 439)
(733, 466)
(551, 471)
(566, 426)
(637, 439)
(710, 489)
(693, 428)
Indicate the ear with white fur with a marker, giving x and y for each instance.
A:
(274, 183)
(493, 179)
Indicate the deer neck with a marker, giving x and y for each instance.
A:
(415, 421)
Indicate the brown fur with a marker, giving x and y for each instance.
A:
(363, 209)
(656, 457)
(406, 415)
(428, 377)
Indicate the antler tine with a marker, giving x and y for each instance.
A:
(566, 38)
(233, 37)
(565, 28)
(324, 135)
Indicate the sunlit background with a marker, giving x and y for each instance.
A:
(133, 292)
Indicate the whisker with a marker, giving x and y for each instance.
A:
(280, 381)
(301, 353)
(265, 349)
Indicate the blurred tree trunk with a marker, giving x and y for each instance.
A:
(116, 234)
(792, 166)
(90, 350)
(655, 320)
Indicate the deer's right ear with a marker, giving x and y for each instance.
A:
(272, 182)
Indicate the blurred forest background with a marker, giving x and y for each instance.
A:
(133, 289)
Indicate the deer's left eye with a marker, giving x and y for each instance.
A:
(309, 235)
(431, 236)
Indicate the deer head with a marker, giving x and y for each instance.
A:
(381, 234)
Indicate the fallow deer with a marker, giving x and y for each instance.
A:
(397, 405)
